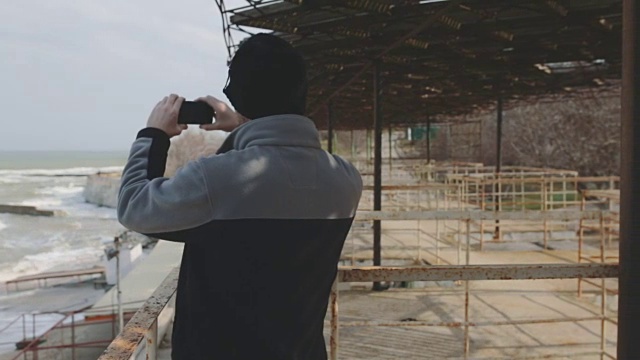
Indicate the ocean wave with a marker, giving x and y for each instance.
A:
(67, 259)
(82, 171)
(2, 226)
(61, 190)
(72, 202)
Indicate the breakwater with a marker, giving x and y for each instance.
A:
(29, 210)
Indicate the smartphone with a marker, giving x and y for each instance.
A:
(195, 112)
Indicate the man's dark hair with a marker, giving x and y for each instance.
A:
(267, 76)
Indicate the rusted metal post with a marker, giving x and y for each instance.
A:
(419, 229)
(603, 321)
(333, 340)
(390, 152)
(603, 302)
(483, 208)
(116, 241)
(330, 127)
(353, 147)
(609, 223)
(466, 319)
(583, 206)
(480, 148)
(564, 190)
(151, 338)
(438, 228)
(496, 204)
(34, 343)
(449, 141)
(73, 336)
(24, 332)
(428, 138)
(377, 169)
(629, 299)
(466, 293)
(368, 142)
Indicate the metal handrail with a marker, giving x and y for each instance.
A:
(463, 215)
(143, 324)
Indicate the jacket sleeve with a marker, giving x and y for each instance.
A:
(152, 204)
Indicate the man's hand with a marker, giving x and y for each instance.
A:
(165, 115)
(226, 118)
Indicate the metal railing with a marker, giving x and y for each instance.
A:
(142, 328)
(144, 324)
(466, 273)
(58, 340)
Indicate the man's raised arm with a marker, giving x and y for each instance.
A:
(150, 203)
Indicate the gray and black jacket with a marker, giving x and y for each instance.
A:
(263, 222)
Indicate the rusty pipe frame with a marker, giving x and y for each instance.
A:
(465, 273)
(377, 169)
(144, 322)
(418, 29)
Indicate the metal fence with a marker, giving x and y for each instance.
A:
(141, 331)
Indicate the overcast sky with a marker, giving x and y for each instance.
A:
(84, 74)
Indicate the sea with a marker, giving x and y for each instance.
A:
(30, 244)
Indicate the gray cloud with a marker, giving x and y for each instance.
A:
(84, 74)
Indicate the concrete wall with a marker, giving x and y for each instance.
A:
(102, 189)
(29, 210)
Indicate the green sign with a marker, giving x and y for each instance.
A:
(420, 133)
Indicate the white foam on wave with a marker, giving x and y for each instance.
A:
(70, 199)
(75, 206)
(2, 225)
(67, 259)
(61, 190)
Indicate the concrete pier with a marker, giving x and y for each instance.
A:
(29, 210)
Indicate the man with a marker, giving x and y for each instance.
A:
(263, 221)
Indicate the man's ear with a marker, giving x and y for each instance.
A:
(234, 97)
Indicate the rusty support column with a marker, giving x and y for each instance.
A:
(73, 336)
(480, 148)
(377, 170)
(330, 128)
(353, 147)
(428, 138)
(368, 146)
(629, 298)
(499, 136)
(496, 199)
(335, 326)
(390, 150)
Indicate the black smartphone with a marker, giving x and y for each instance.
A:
(195, 112)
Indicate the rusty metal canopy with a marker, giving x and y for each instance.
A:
(439, 57)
